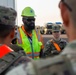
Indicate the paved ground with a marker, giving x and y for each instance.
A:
(48, 37)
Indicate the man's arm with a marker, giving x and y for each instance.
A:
(47, 49)
(63, 44)
(41, 53)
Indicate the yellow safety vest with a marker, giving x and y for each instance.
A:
(32, 50)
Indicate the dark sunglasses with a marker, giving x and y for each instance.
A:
(70, 9)
(29, 19)
(55, 31)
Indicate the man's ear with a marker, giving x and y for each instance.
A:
(12, 33)
(64, 14)
(23, 20)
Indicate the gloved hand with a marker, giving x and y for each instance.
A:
(55, 52)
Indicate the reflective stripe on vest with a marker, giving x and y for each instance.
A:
(38, 34)
(4, 50)
(35, 54)
(56, 46)
(19, 39)
(26, 43)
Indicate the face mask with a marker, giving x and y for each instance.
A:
(29, 24)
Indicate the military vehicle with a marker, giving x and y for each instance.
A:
(49, 27)
(62, 29)
(42, 30)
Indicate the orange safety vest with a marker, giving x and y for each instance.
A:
(4, 50)
(56, 46)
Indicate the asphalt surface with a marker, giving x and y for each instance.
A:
(48, 37)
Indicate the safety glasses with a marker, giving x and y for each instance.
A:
(63, 1)
(29, 19)
(55, 31)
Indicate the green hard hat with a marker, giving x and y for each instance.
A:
(28, 11)
(55, 28)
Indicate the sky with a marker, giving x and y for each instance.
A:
(45, 10)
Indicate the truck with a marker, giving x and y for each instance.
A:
(62, 29)
(49, 27)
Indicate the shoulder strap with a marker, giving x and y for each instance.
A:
(7, 61)
(56, 46)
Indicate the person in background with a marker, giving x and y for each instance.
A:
(30, 40)
(56, 45)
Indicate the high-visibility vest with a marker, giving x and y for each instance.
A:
(56, 46)
(31, 50)
(4, 50)
(39, 36)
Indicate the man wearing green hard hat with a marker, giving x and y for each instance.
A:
(29, 40)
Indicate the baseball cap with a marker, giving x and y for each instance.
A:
(55, 28)
(7, 16)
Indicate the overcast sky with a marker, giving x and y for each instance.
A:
(45, 10)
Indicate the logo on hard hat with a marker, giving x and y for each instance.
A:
(31, 11)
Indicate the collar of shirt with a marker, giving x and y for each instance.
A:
(26, 32)
(57, 40)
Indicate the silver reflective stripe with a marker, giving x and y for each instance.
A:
(38, 34)
(19, 38)
(39, 37)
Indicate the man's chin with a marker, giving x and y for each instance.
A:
(57, 37)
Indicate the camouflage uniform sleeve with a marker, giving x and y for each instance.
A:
(47, 49)
(64, 44)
